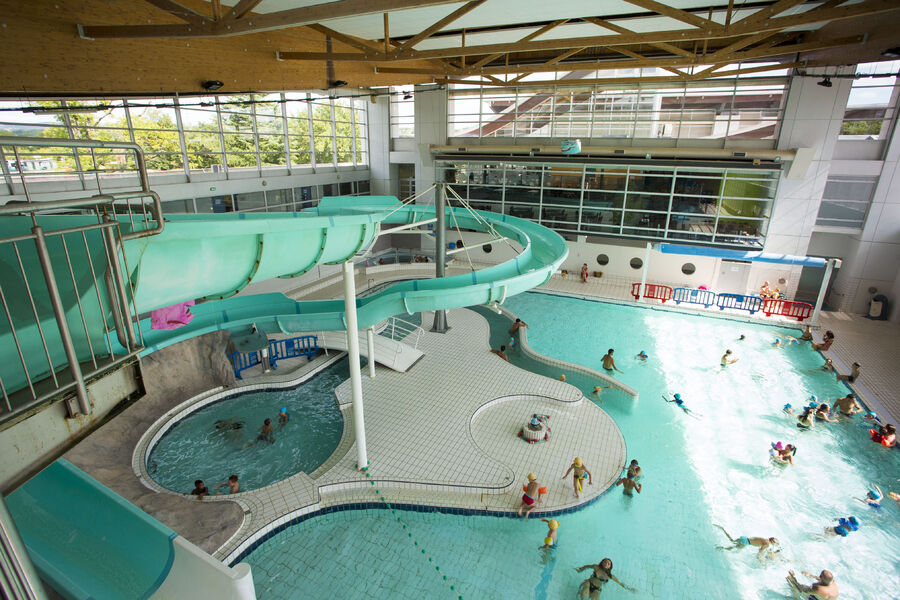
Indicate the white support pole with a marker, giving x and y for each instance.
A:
(359, 425)
(644, 274)
(370, 339)
(829, 267)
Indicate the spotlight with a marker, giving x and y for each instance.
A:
(407, 96)
(211, 85)
(338, 83)
(826, 82)
(892, 52)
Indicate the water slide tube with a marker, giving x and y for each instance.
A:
(87, 542)
(213, 257)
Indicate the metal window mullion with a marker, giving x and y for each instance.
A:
(671, 201)
(71, 134)
(287, 140)
(734, 88)
(221, 137)
(353, 132)
(181, 139)
(311, 133)
(624, 200)
(255, 136)
(334, 156)
(581, 194)
(719, 206)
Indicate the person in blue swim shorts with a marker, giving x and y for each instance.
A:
(769, 546)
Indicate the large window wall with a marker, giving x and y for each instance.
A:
(872, 103)
(706, 205)
(283, 200)
(250, 133)
(733, 107)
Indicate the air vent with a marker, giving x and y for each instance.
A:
(739, 154)
(618, 152)
(535, 150)
(460, 149)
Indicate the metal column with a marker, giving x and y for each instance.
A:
(59, 312)
(440, 251)
(829, 267)
(370, 339)
(18, 578)
(643, 288)
(359, 426)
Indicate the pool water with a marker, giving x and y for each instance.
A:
(710, 469)
(194, 449)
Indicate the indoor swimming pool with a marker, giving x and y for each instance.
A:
(709, 467)
(219, 440)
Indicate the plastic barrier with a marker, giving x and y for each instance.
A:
(787, 308)
(241, 361)
(652, 291)
(304, 345)
(739, 301)
(694, 296)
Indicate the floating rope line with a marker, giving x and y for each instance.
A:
(409, 534)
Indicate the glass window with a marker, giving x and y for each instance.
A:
(845, 201)
(402, 107)
(872, 102)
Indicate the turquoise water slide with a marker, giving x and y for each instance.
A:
(88, 542)
(213, 257)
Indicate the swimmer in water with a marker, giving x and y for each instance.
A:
(200, 490)
(519, 324)
(895, 497)
(501, 353)
(873, 497)
(742, 338)
(233, 486)
(579, 469)
(602, 573)
(824, 587)
(552, 527)
(728, 359)
(680, 404)
(780, 339)
(266, 433)
(828, 367)
(641, 355)
(628, 484)
(807, 418)
(788, 408)
(823, 414)
(634, 469)
(562, 377)
(228, 424)
(608, 362)
(768, 545)
(848, 405)
(807, 334)
(283, 416)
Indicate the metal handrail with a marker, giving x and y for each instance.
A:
(97, 199)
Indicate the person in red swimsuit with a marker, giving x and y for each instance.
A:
(532, 495)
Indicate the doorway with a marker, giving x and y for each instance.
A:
(733, 277)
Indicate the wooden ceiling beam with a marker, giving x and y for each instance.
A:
(619, 29)
(675, 13)
(563, 56)
(438, 25)
(527, 38)
(182, 12)
(769, 12)
(738, 45)
(241, 9)
(283, 19)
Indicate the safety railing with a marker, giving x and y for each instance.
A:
(787, 308)
(739, 301)
(295, 347)
(694, 296)
(652, 291)
(400, 330)
(241, 361)
(67, 301)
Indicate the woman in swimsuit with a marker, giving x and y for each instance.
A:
(594, 584)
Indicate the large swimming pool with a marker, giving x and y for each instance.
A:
(698, 471)
(195, 448)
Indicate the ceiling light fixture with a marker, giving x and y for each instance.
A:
(407, 96)
(211, 85)
(826, 82)
(337, 83)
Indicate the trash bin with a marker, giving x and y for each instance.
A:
(878, 307)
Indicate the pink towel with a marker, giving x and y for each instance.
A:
(172, 317)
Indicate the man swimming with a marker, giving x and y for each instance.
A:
(532, 496)
(764, 544)
(848, 405)
(608, 362)
(727, 359)
(501, 353)
(824, 587)
(628, 484)
(578, 476)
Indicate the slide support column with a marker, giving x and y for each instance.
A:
(359, 425)
(829, 267)
(18, 577)
(440, 251)
(643, 287)
(370, 339)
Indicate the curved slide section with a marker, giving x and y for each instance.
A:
(213, 257)
(87, 542)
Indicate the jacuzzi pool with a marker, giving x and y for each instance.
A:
(196, 448)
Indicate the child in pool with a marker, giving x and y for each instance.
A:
(552, 527)
(233, 486)
(283, 416)
(873, 497)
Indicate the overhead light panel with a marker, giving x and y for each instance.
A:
(826, 82)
